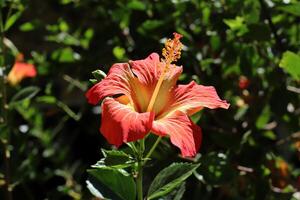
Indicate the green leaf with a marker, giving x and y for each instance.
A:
(136, 5)
(11, 46)
(2, 3)
(196, 117)
(28, 26)
(150, 25)
(264, 117)
(47, 99)
(68, 110)
(89, 33)
(93, 81)
(238, 25)
(65, 55)
(12, 19)
(179, 192)
(116, 159)
(112, 183)
(170, 178)
(176, 194)
(24, 94)
(65, 2)
(99, 74)
(119, 52)
(93, 190)
(270, 135)
(290, 62)
(293, 9)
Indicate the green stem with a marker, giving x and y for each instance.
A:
(141, 162)
(152, 149)
(139, 181)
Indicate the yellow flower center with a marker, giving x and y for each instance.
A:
(171, 53)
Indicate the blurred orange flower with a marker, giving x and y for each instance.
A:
(21, 70)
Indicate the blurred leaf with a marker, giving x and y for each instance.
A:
(252, 12)
(25, 94)
(112, 184)
(93, 81)
(270, 135)
(63, 38)
(47, 99)
(11, 46)
(150, 25)
(290, 62)
(196, 117)
(63, 26)
(293, 9)
(65, 55)
(68, 110)
(241, 112)
(12, 19)
(245, 138)
(170, 178)
(27, 26)
(215, 42)
(119, 52)
(136, 5)
(264, 117)
(216, 169)
(238, 25)
(65, 2)
(88, 35)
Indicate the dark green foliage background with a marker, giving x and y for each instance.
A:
(249, 151)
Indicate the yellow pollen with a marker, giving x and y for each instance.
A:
(171, 53)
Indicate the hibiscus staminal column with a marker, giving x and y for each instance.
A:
(171, 53)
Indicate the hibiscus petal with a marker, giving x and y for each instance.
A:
(120, 123)
(193, 97)
(116, 82)
(182, 131)
(148, 70)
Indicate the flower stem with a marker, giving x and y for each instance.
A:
(152, 148)
(139, 179)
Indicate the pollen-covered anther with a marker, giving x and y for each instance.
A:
(172, 49)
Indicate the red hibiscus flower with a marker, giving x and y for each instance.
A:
(20, 70)
(142, 96)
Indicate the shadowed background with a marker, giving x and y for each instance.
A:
(250, 151)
